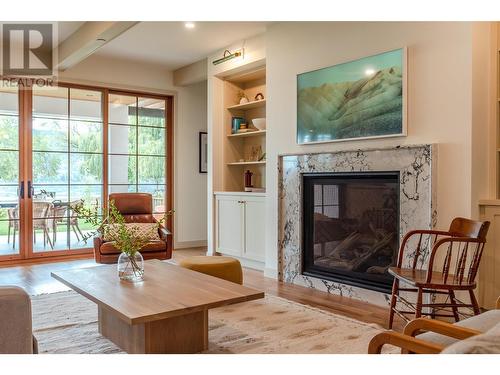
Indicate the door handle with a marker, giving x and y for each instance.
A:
(30, 189)
(21, 190)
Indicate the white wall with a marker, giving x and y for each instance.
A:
(439, 99)
(190, 116)
(190, 185)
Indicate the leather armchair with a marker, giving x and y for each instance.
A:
(135, 208)
(16, 335)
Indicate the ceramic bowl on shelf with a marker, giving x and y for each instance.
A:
(259, 123)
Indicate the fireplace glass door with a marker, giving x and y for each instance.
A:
(351, 227)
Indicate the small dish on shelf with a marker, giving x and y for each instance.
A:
(259, 123)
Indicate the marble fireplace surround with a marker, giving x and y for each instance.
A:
(417, 167)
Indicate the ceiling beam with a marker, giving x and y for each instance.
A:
(86, 40)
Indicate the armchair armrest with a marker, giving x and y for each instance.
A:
(98, 241)
(16, 335)
(440, 327)
(164, 233)
(406, 343)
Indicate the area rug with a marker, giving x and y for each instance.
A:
(66, 322)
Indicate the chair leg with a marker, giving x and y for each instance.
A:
(14, 238)
(395, 292)
(46, 233)
(8, 234)
(418, 307)
(474, 303)
(76, 234)
(79, 230)
(451, 293)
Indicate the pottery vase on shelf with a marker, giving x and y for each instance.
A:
(243, 100)
(248, 180)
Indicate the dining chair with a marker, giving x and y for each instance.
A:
(73, 218)
(460, 249)
(13, 215)
(42, 220)
(59, 217)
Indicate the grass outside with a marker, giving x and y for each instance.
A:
(4, 224)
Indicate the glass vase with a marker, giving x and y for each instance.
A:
(131, 268)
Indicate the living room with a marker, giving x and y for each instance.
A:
(302, 185)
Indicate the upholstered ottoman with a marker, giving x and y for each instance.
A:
(222, 267)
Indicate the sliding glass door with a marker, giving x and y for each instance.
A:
(70, 144)
(67, 165)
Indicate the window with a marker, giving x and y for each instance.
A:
(137, 147)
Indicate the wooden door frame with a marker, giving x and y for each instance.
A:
(21, 100)
(25, 97)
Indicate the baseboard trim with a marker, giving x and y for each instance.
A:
(188, 244)
(271, 273)
(247, 263)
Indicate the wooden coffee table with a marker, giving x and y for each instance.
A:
(166, 313)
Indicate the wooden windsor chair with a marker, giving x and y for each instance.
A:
(463, 246)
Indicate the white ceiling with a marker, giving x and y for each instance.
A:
(65, 29)
(173, 45)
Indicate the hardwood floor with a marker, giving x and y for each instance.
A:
(36, 279)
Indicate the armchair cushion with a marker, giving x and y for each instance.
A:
(148, 231)
(482, 322)
(486, 343)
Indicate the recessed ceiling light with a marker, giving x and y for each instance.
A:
(189, 25)
(369, 72)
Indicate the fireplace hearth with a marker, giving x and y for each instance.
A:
(351, 227)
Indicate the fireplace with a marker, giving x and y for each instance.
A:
(351, 227)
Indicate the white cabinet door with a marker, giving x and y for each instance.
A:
(230, 225)
(255, 228)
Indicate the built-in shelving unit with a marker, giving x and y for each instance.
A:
(237, 218)
(243, 151)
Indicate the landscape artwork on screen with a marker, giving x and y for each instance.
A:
(364, 98)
